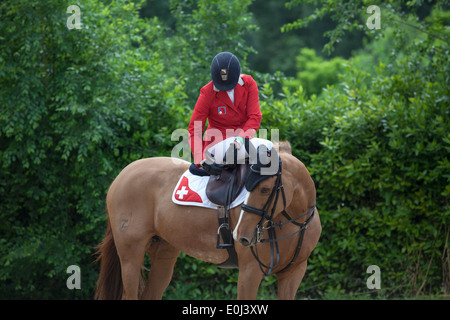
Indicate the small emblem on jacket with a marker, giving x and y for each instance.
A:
(222, 110)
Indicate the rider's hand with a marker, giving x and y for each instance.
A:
(200, 164)
(238, 143)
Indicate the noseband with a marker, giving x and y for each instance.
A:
(270, 226)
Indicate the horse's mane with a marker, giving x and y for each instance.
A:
(283, 147)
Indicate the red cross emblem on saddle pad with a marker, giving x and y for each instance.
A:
(184, 193)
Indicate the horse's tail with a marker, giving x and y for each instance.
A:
(109, 285)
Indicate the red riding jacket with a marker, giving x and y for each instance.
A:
(242, 118)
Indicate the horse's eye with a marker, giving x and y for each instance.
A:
(265, 190)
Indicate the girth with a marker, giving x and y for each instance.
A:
(222, 189)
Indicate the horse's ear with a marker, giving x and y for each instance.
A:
(283, 147)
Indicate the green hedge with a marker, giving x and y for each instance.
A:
(76, 107)
(379, 155)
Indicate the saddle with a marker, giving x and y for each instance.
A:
(223, 188)
(227, 180)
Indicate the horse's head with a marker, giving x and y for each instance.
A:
(267, 197)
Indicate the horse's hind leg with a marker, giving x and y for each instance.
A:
(162, 258)
(131, 259)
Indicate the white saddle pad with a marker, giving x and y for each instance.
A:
(191, 191)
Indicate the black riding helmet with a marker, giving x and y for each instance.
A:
(225, 71)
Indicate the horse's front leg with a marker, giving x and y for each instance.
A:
(248, 282)
(289, 281)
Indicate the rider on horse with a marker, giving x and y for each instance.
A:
(230, 103)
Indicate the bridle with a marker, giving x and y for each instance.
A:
(270, 226)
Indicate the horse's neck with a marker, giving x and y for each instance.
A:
(304, 192)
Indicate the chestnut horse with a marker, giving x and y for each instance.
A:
(143, 219)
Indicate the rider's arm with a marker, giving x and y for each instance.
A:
(197, 124)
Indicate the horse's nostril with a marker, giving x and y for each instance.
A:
(244, 241)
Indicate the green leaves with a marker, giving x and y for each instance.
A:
(314, 73)
(76, 107)
(377, 148)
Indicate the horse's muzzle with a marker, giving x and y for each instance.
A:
(247, 241)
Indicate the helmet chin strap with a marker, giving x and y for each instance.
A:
(240, 82)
